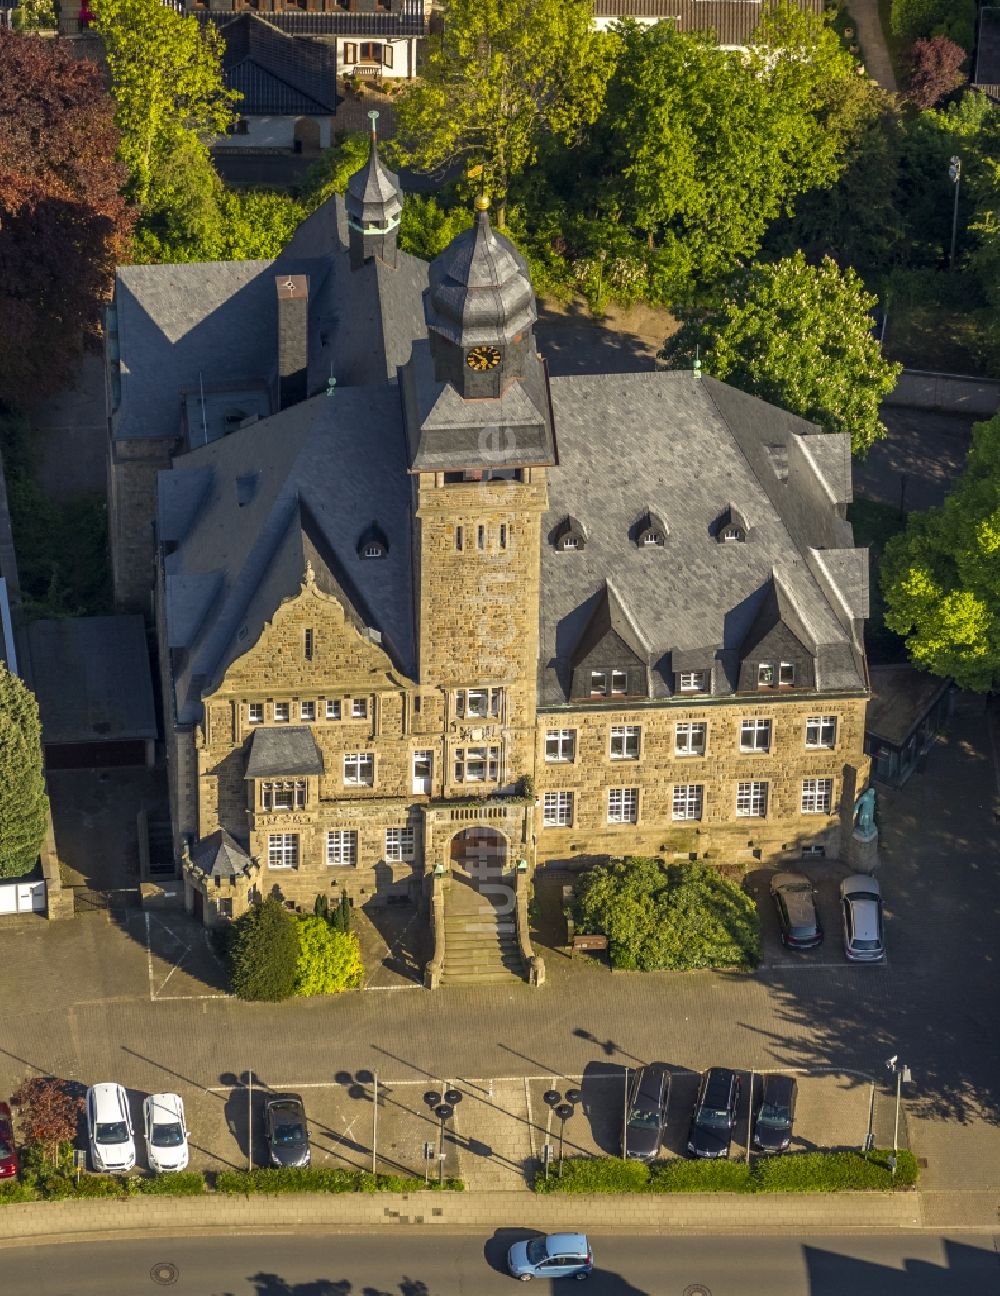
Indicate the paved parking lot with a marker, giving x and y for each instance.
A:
(499, 1128)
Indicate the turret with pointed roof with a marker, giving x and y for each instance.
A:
(374, 202)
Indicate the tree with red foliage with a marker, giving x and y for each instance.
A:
(933, 70)
(49, 1111)
(63, 221)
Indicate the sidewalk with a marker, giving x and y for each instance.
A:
(70, 1221)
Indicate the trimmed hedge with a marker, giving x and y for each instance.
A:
(797, 1172)
(60, 1186)
(312, 1179)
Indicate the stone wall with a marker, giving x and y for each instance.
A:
(132, 474)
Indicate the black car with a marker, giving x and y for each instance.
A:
(285, 1130)
(795, 900)
(646, 1112)
(714, 1115)
(772, 1131)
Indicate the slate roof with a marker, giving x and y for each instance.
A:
(220, 318)
(693, 599)
(219, 855)
(328, 468)
(283, 752)
(277, 74)
(92, 679)
(900, 699)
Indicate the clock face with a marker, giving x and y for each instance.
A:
(483, 357)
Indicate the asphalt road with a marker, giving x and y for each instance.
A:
(399, 1264)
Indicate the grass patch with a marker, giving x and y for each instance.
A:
(798, 1172)
(874, 524)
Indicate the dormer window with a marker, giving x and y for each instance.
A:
(373, 542)
(786, 673)
(619, 682)
(770, 674)
(650, 531)
(693, 681)
(731, 527)
(569, 535)
(598, 683)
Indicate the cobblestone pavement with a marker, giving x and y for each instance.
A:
(90, 1000)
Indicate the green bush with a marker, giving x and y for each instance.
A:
(676, 916)
(329, 959)
(264, 954)
(184, 1183)
(312, 1179)
(13, 1193)
(797, 1172)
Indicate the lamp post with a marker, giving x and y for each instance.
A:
(955, 176)
(901, 1072)
(563, 1105)
(443, 1106)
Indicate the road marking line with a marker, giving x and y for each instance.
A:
(149, 957)
(531, 1123)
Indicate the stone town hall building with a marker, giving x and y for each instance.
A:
(414, 595)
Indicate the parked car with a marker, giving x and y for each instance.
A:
(109, 1126)
(166, 1133)
(795, 900)
(714, 1116)
(286, 1131)
(772, 1131)
(558, 1255)
(861, 907)
(8, 1151)
(646, 1112)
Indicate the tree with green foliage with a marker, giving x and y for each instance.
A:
(24, 807)
(799, 336)
(341, 916)
(956, 19)
(329, 960)
(34, 16)
(698, 149)
(264, 952)
(676, 916)
(330, 174)
(506, 75)
(941, 577)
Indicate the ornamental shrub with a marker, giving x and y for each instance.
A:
(328, 960)
(263, 958)
(594, 1175)
(24, 807)
(676, 916)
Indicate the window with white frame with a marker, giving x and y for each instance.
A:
(598, 683)
(624, 742)
(333, 708)
(282, 711)
(689, 738)
(755, 735)
(693, 681)
(478, 703)
(821, 731)
(359, 708)
(786, 673)
(307, 710)
(751, 800)
(359, 769)
(477, 764)
(688, 799)
(560, 744)
(557, 810)
(619, 681)
(283, 850)
(289, 794)
(623, 805)
(255, 713)
(817, 795)
(342, 847)
(399, 844)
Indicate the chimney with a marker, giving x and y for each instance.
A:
(293, 337)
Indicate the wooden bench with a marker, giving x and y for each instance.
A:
(589, 944)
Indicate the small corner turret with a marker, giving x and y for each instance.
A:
(374, 203)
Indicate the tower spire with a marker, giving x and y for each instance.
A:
(374, 203)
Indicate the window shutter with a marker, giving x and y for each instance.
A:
(387, 55)
(350, 52)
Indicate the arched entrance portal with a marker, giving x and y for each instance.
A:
(306, 135)
(478, 855)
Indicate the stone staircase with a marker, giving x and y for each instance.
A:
(480, 936)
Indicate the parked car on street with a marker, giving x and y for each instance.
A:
(8, 1150)
(286, 1131)
(714, 1116)
(861, 911)
(558, 1255)
(646, 1112)
(166, 1133)
(795, 901)
(109, 1127)
(772, 1131)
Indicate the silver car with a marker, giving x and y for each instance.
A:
(559, 1255)
(861, 912)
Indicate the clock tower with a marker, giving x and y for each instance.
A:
(479, 438)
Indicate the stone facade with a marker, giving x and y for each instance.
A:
(133, 467)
